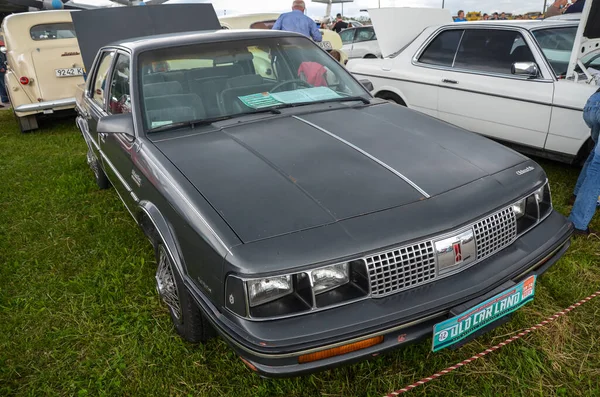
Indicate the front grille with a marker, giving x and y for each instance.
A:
(495, 232)
(401, 269)
(413, 265)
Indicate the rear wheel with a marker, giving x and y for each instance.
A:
(370, 56)
(187, 318)
(99, 175)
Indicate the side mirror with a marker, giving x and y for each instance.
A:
(367, 84)
(3, 50)
(529, 69)
(117, 124)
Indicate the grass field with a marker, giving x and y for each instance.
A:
(79, 313)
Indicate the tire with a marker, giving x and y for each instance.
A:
(391, 97)
(101, 179)
(27, 123)
(370, 56)
(188, 319)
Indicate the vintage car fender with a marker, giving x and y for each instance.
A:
(394, 90)
(17, 95)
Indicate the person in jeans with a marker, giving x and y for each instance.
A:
(587, 189)
(3, 93)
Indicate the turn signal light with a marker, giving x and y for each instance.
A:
(24, 80)
(338, 351)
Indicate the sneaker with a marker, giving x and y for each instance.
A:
(586, 232)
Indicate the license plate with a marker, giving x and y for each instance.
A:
(457, 328)
(326, 45)
(69, 72)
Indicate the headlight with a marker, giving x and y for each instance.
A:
(329, 277)
(533, 208)
(268, 289)
(282, 295)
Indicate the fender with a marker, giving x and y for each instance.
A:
(164, 230)
(18, 96)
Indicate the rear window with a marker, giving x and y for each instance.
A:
(53, 31)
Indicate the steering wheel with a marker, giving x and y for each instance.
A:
(295, 81)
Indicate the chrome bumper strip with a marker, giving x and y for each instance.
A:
(35, 107)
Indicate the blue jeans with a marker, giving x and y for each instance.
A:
(587, 188)
(3, 94)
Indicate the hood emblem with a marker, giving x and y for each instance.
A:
(68, 54)
(525, 170)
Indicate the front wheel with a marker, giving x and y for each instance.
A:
(187, 318)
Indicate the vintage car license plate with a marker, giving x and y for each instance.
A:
(457, 328)
(69, 72)
(326, 45)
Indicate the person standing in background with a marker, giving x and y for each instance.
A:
(296, 21)
(460, 17)
(577, 6)
(3, 93)
(339, 24)
(555, 8)
(587, 189)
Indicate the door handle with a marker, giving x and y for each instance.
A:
(448, 81)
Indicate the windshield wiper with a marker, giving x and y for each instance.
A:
(191, 123)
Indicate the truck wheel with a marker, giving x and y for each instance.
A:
(27, 123)
(99, 175)
(187, 318)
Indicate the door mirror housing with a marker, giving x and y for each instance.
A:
(529, 69)
(117, 124)
(367, 84)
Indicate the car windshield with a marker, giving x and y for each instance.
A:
(557, 44)
(228, 79)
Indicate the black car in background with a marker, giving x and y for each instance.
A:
(304, 221)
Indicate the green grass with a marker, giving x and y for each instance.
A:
(79, 314)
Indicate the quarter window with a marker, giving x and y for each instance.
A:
(120, 101)
(100, 79)
(442, 49)
(53, 31)
(492, 51)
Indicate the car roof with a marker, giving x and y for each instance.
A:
(524, 24)
(198, 37)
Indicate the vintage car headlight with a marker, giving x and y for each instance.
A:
(268, 289)
(283, 295)
(533, 208)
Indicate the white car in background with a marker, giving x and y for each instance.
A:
(523, 83)
(360, 42)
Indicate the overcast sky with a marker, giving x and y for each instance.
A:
(353, 9)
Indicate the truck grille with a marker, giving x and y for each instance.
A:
(412, 265)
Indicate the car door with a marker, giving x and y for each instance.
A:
(480, 93)
(119, 147)
(347, 39)
(95, 98)
(364, 42)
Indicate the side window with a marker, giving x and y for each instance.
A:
(492, 51)
(120, 101)
(442, 49)
(347, 36)
(100, 79)
(365, 34)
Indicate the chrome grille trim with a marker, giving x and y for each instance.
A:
(412, 265)
(495, 232)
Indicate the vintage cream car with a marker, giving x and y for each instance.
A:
(44, 64)
(331, 40)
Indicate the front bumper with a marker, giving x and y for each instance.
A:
(58, 104)
(272, 348)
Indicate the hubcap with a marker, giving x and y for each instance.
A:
(165, 283)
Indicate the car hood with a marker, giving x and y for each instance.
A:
(413, 21)
(292, 173)
(132, 22)
(587, 40)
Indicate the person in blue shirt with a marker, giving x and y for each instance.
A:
(296, 21)
(461, 17)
